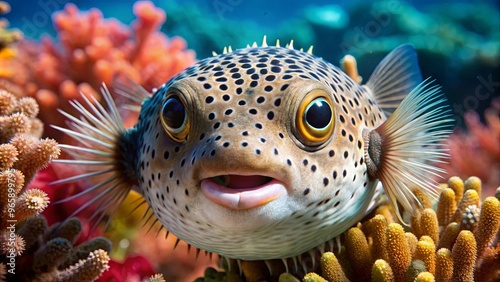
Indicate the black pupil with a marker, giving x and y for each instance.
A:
(319, 113)
(174, 112)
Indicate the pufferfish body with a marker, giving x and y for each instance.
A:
(267, 152)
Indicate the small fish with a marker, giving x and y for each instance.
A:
(266, 152)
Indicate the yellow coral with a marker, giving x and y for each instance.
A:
(425, 277)
(464, 256)
(429, 224)
(377, 227)
(444, 265)
(425, 252)
(473, 183)
(410, 259)
(398, 252)
(382, 272)
(457, 185)
(331, 268)
(446, 207)
(313, 277)
(489, 224)
(358, 252)
(412, 241)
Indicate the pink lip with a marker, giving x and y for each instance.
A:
(242, 192)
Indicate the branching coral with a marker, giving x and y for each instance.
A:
(30, 250)
(22, 154)
(441, 248)
(91, 50)
(50, 254)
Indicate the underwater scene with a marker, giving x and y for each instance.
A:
(248, 141)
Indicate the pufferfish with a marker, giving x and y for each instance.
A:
(266, 152)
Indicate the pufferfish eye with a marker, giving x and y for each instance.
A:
(174, 118)
(314, 118)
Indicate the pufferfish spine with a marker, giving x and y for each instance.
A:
(242, 149)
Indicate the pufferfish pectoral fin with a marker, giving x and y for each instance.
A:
(400, 152)
(105, 152)
(394, 77)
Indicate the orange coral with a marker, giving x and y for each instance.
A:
(91, 50)
(359, 254)
(331, 269)
(444, 265)
(464, 256)
(382, 272)
(399, 254)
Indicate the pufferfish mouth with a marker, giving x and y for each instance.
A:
(241, 192)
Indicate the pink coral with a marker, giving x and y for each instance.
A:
(91, 50)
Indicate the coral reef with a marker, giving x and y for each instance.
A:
(31, 250)
(456, 241)
(91, 50)
(442, 244)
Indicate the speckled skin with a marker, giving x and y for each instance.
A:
(242, 108)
